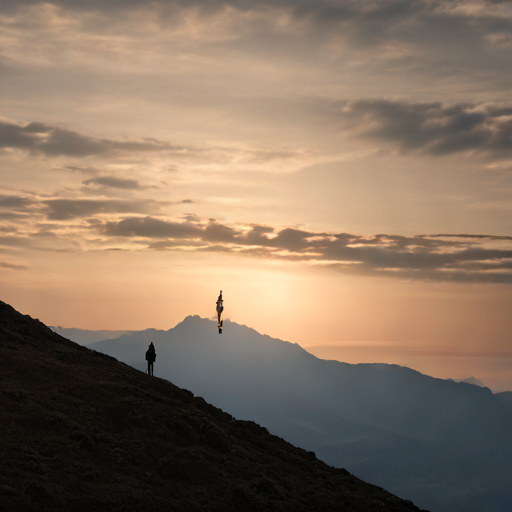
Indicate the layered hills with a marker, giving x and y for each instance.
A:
(447, 446)
(82, 431)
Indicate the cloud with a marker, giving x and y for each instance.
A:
(14, 202)
(149, 227)
(16, 207)
(12, 266)
(84, 170)
(431, 127)
(64, 209)
(51, 140)
(12, 216)
(113, 182)
(364, 22)
(54, 141)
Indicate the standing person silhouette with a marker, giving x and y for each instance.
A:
(220, 309)
(150, 357)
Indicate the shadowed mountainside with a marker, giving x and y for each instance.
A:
(81, 431)
(447, 446)
(505, 397)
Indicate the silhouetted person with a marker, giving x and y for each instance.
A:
(220, 309)
(150, 357)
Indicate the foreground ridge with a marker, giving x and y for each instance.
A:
(82, 431)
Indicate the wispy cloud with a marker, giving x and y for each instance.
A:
(53, 142)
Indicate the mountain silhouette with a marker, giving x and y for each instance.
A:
(86, 337)
(445, 445)
(505, 397)
(82, 431)
(471, 380)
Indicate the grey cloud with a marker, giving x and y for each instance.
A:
(215, 232)
(291, 239)
(64, 209)
(70, 143)
(433, 275)
(84, 170)
(14, 202)
(15, 136)
(172, 244)
(48, 242)
(8, 229)
(261, 156)
(56, 141)
(430, 127)
(12, 266)
(113, 182)
(488, 237)
(256, 236)
(150, 227)
(12, 216)
(15, 241)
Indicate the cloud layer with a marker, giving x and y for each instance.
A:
(448, 257)
(92, 224)
(230, 81)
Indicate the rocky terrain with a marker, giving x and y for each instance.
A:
(81, 431)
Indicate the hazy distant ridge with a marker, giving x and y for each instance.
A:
(443, 444)
(84, 336)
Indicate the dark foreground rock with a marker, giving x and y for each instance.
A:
(81, 431)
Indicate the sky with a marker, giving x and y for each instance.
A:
(341, 169)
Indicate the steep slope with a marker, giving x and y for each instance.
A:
(442, 444)
(81, 431)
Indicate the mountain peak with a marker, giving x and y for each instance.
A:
(193, 318)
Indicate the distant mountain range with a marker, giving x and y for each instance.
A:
(82, 432)
(447, 446)
(471, 380)
(86, 337)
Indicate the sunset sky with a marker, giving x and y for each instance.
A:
(341, 169)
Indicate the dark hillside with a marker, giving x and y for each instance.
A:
(81, 431)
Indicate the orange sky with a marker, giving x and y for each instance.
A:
(342, 170)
